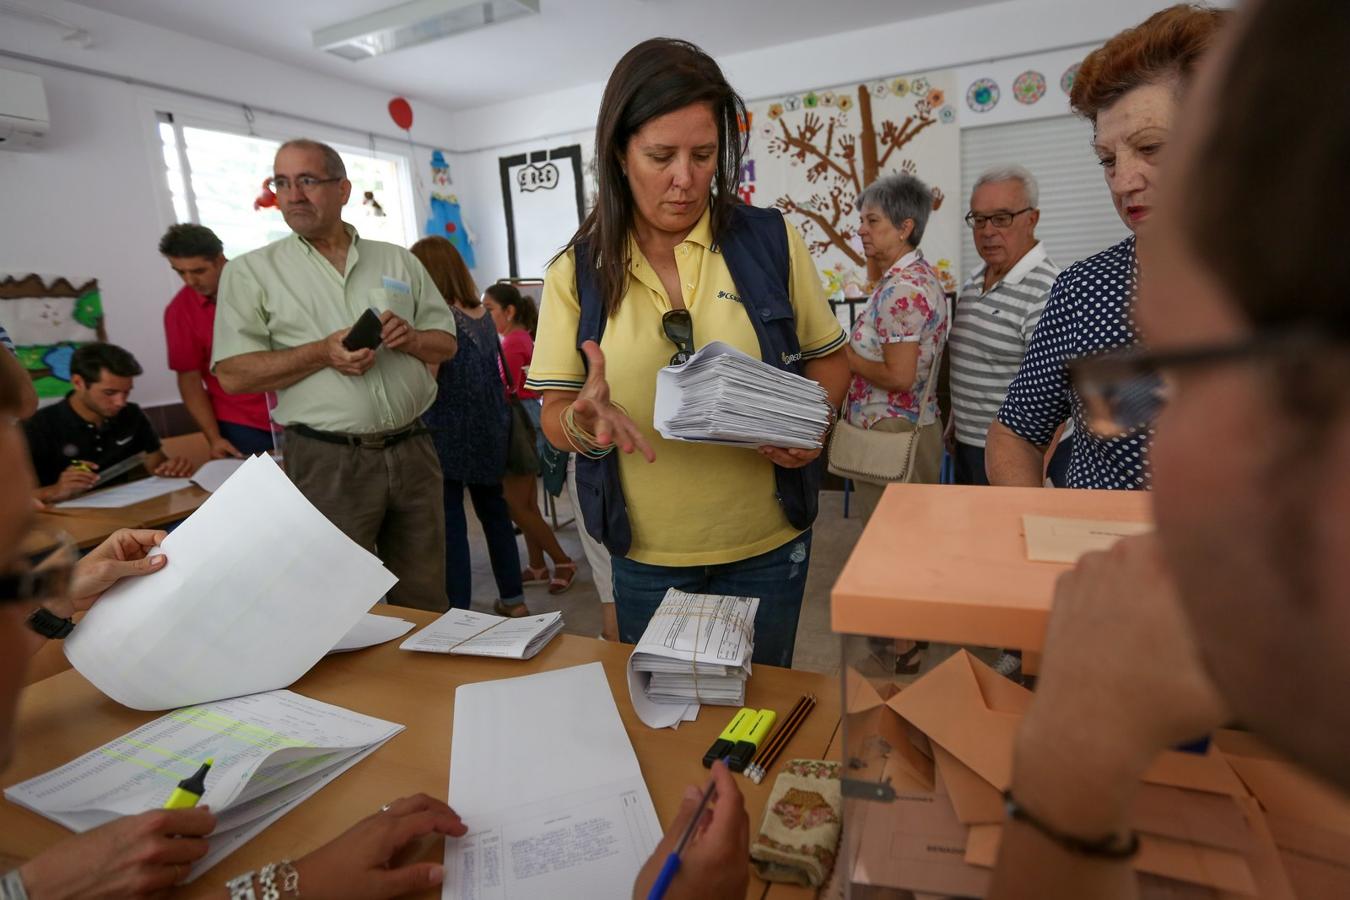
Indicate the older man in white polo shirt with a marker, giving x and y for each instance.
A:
(998, 308)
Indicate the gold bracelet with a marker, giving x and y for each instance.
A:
(586, 444)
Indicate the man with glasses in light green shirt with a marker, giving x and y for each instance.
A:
(355, 444)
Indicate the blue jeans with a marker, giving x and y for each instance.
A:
(248, 441)
(490, 507)
(777, 578)
(969, 461)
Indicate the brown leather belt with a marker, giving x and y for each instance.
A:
(376, 441)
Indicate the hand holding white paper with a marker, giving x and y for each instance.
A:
(259, 586)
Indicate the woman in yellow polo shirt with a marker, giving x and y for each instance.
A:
(704, 518)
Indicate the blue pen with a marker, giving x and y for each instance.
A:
(672, 863)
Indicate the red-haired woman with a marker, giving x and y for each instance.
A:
(1130, 89)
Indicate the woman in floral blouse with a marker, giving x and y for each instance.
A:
(897, 341)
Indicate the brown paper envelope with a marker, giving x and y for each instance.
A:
(860, 694)
(1206, 866)
(1310, 840)
(1272, 881)
(1198, 817)
(1057, 539)
(973, 713)
(977, 802)
(918, 845)
(882, 747)
(1315, 879)
(948, 705)
(1290, 793)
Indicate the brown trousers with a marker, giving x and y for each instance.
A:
(927, 463)
(388, 501)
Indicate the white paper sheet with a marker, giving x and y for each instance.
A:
(468, 633)
(259, 586)
(711, 632)
(556, 819)
(211, 475)
(723, 396)
(271, 751)
(370, 630)
(126, 494)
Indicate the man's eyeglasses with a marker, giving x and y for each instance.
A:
(305, 183)
(1000, 219)
(679, 328)
(1125, 390)
(43, 571)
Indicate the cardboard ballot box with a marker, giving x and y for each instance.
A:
(925, 761)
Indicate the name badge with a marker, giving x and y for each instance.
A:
(398, 287)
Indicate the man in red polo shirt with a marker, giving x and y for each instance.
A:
(234, 424)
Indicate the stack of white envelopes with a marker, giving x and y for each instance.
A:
(696, 649)
(723, 396)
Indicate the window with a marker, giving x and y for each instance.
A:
(214, 177)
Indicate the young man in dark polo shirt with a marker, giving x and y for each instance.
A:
(94, 427)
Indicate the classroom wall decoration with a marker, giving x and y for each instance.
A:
(48, 317)
(1029, 80)
(544, 194)
(811, 155)
(447, 219)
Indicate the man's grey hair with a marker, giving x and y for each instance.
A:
(333, 165)
(900, 197)
(1020, 174)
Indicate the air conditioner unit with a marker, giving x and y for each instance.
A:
(23, 111)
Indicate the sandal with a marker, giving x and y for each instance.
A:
(563, 576)
(909, 662)
(514, 611)
(530, 575)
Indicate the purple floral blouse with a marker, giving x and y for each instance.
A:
(907, 305)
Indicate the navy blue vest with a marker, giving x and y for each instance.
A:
(755, 249)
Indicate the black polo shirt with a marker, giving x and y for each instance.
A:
(57, 436)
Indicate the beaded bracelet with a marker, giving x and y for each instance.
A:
(1111, 846)
(241, 886)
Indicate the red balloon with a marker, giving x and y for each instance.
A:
(401, 112)
(266, 199)
(450, 227)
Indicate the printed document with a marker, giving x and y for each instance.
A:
(371, 630)
(542, 770)
(258, 587)
(271, 752)
(696, 649)
(468, 633)
(127, 494)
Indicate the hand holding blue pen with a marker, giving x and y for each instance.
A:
(707, 846)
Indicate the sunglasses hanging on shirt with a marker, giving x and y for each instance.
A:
(679, 328)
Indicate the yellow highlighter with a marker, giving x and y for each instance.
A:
(189, 791)
(748, 741)
(726, 741)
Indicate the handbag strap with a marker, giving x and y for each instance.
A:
(511, 392)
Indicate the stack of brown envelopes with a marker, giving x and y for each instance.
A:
(1237, 821)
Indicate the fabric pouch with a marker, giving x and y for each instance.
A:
(799, 838)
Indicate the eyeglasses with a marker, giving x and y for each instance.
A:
(1125, 390)
(43, 571)
(305, 183)
(679, 328)
(1000, 219)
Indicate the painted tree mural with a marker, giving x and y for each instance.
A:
(844, 153)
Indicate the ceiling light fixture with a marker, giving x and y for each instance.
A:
(417, 22)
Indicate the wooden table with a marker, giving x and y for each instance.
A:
(948, 563)
(64, 716)
(90, 526)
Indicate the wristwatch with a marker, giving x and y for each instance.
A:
(49, 624)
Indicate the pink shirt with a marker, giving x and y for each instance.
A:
(518, 348)
(189, 322)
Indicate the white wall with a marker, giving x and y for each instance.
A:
(92, 200)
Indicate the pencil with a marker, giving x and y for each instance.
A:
(773, 738)
(785, 735)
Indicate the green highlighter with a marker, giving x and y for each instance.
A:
(726, 741)
(748, 740)
(189, 791)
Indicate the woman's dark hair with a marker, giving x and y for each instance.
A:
(1167, 45)
(447, 270)
(656, 77)
(505, 294)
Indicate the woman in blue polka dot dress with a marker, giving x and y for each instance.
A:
(1129, 89)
